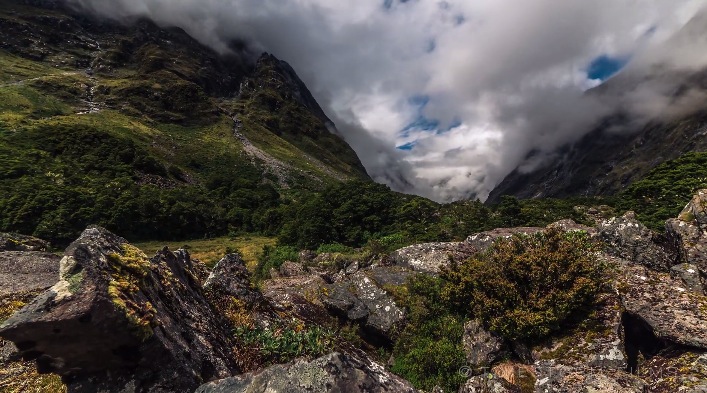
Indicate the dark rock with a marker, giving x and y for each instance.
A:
(481, 347)
(626, 238)
(230, 277)
(689, 232)
(117, 321)
(689, 275)
(332, 373)
(27, 271)
(430, 257)
(307, 256)
(292, 269)
(17, 242)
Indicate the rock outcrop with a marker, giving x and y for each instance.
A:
(689, 232)
(17, 242)
(27, 271)
(625, 237)
(430, 257)
(335, 372)
(118, 321)
(481, 347)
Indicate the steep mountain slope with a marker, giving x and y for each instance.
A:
(130, 125)
(604, 161)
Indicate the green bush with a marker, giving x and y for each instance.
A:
(273, 258)
(334, 248)
(527, 286)
(281, 344)
(429, 350)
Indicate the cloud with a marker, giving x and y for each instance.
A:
(504, 79)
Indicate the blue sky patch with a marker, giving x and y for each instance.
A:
(604, 67)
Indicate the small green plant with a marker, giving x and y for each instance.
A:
(273, 258)
(526, 287)
(429, 351)
(281, 344)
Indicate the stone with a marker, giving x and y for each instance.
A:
(230, 277)
(555, 378)
(626, 238)
(360, 299)
(670, 310)
(480, 242)
(481, 347)
(488, 383)
(689, 275)
(17, 242)
(292, 269)
(430, 257)
(689, 232)
(27, 271)
(117, 321)
(335, 372)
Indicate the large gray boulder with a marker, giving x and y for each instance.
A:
(557, 378)
(481, 347)
(670, 310)
(430, 257)
(335, 373)
(689, 232)
(117, 321)
(626, 238)
(481, 242)
(360, 298)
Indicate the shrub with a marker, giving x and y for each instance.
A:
(429, 351)
(334, 248)
(273, 258)
(281, 344)
(525, 287)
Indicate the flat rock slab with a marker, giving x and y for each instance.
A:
(430, 257)
(665, 304)
(335, 372)
(27, 271)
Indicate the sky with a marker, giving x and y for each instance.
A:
(445, 98)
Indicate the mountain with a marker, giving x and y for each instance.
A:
(132, 125)
(605, 161)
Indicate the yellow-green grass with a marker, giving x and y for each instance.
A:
(211, 251)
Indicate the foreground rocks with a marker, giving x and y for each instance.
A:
(17, 242)
(335, 372)
(118, 321)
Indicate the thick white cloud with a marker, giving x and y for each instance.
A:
(507, 76)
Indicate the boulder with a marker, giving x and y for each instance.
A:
(689, 275)
(481, 347)
(27, 271)
(689, 232)
(430, 257)
(488, 383)
(335, 372)
(292, 269)
(298, 296)
(626, 238)
(671, 312)
(556, 378)
(480, 242)
(230, 277)
(571, 226)
(361, 299)
(119, 322)
(17, 242)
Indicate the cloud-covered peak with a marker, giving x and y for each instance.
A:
(500, 78)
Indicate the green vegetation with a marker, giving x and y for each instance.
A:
(273, 258)
(665, 191)
(429, 351)
(281, 344)
(528, 286)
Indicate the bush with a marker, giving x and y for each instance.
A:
(281, 344)
(429, 351)
(273, 258)
(526, 287)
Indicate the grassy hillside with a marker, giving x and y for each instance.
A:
(147, 132)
